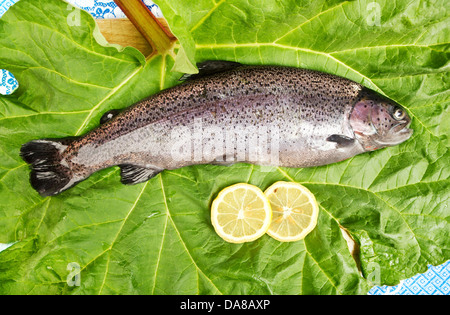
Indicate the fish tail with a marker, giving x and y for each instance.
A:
(48, 175)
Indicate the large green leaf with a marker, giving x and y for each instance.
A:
(156, 237)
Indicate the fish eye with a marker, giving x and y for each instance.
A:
(399, 114)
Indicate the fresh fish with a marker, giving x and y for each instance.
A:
(228, 113)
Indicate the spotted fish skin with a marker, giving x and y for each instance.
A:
(267, 115)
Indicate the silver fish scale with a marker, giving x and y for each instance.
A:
(239, 115)
(264, 115)
(319, 91)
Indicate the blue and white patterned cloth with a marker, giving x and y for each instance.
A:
(435, 281)
(106, 9)
(8, 83)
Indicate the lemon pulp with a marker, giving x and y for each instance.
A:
(294, 211)
(241, 213)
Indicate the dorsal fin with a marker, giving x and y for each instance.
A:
(109, 115)
(209, 67)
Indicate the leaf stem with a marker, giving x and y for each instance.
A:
(158, 36)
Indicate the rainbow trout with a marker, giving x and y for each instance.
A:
(228, 113)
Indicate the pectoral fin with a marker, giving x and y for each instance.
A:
(132, 174)
(341, 140)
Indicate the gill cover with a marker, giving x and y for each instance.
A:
(378, 122)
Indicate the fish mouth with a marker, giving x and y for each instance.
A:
(399, 133)
(401, 126)
(405, 133)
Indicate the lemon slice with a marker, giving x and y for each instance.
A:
(294, 211)
(241, 213)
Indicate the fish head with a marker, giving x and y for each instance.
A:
(379, 122)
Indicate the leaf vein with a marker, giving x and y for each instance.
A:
(179, 236)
